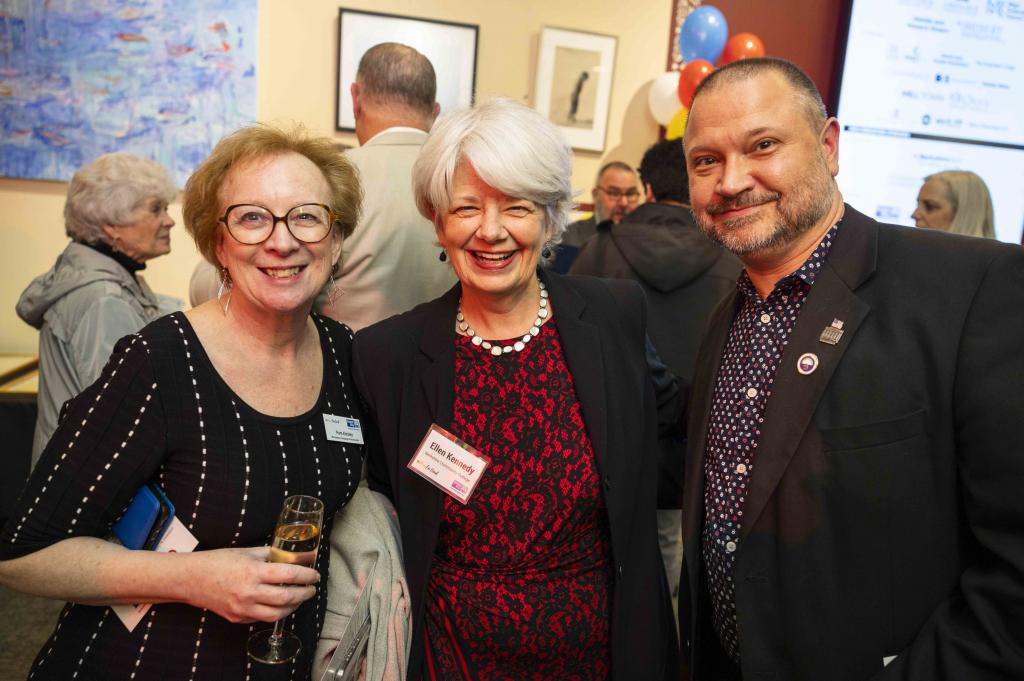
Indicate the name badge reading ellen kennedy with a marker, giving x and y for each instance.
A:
(343, 429)
(448, 463)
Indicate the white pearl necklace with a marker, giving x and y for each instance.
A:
(542, 314)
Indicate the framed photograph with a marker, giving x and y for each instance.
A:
(450, 47)
(574, 84)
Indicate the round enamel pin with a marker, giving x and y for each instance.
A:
(807, 363)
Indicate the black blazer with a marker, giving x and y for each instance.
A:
(405, 369)
(884, 515)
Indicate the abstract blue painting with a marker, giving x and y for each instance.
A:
(163, 79)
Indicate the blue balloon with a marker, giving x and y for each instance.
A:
(703, 34)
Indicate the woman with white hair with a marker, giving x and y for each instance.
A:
(518, 417)
(116, 216)
(956, 201)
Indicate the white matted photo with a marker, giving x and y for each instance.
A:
(450, 47)
(574, 84)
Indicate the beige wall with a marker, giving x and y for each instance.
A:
(297, 71)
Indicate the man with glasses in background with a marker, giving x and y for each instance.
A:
(615, 194)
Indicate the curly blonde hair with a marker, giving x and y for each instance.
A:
(201, 200)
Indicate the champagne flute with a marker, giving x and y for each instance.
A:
(296, 539)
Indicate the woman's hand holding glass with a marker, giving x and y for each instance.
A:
(241, 586)
(296, 541)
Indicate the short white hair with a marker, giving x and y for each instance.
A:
(511, 147)
(109, 190)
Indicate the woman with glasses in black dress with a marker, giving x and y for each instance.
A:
(224, 408)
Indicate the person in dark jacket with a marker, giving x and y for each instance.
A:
(685, 275)
(549, 567)
(614, 195)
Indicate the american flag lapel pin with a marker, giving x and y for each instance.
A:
(832, 333)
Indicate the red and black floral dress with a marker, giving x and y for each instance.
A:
(521, 581)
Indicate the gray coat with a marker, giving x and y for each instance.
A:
(82, 306)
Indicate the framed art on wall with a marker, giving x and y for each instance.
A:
(574, 84)
(450, 47)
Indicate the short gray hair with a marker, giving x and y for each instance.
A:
(972, 203)
(745, 69)
(511, 147)
(617, 165)
(109, 190)
(393, 73)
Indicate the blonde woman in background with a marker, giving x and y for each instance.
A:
(955, 201)
(116, 216)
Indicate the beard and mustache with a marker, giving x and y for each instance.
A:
(797, 212)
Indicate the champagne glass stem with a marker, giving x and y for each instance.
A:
(278, 635)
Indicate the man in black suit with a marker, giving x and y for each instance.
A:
(856, 454)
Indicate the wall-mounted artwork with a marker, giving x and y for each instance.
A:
(450, 47)
(163, 80)
(574, 84)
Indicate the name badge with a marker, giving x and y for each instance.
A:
(343, 429)
(449, 464)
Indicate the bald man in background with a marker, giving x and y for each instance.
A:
(390, 263)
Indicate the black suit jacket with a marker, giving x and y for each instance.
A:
(405, 370)
(885, 510)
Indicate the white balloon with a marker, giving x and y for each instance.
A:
(663, 97)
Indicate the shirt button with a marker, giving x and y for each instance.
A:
(730, 546)
(751, 392)
(765, 318)
(741, 469)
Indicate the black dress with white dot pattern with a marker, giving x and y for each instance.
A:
(757, 338)
(161, 412)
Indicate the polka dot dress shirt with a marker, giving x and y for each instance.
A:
(751, 358)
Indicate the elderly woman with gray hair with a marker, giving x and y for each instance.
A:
(518, 417)
(116, 216)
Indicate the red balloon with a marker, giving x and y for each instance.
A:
(690, 77)
(741, 46)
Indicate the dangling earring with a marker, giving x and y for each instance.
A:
(224, 290)
(332, 286)
(443, 257)
(545, 252)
